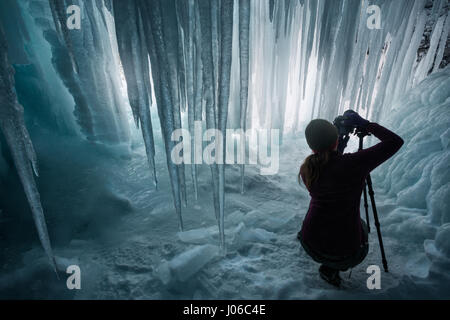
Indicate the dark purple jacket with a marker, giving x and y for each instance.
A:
(332, 225)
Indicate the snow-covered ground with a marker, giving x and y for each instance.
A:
(108, 219)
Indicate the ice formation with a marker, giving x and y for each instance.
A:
(16, 135)
(235, 64)
(419, 177)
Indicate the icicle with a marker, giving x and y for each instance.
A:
(170, 31)
(215, 32)
(271, 9)
(426, 63)
(153, 26)
(16, 135)
(208, 86)
(128, 44)
(226, 34)
(182, 31)
(109, 5)
(198, 81)
(402, 71)
(444, 37)
(144, 108)
(310, 40)
(244, 35)
(59, 17)
(134, 56)
(190, 77)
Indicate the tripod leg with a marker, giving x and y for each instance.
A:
(377, 223)
(366, 207)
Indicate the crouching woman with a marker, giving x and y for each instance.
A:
(333, 233)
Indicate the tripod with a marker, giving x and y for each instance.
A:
(368, 184)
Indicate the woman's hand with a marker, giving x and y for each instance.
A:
(353, 119)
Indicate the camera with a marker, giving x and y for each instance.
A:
(344, 129)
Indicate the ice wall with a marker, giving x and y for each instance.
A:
(418, 177)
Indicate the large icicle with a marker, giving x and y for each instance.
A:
(171, 43)
(134, 57)
(215, 32)
(244, 35)
(198, 81)
(21, 148)
(226, 43)
(190, 88)
(208, 86)
(181, 14)
(153, 26)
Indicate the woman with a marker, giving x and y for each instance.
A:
(333, 233)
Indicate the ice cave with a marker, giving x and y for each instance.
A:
(91, 92)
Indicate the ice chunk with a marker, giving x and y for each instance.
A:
(163, 272)
(186, 264)
(198, 236)
(256, 235)
(210, 234)
(235, 217)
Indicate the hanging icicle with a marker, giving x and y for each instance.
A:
(134, 56)
(12, 125)
(244, 42)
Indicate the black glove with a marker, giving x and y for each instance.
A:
(353, 119)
